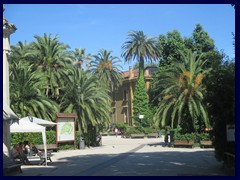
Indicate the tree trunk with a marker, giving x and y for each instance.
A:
(141, 67)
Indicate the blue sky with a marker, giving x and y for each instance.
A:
(94, 27)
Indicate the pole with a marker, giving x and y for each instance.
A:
(80, 126)
(80, 129)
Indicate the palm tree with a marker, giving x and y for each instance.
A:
(106, 68)
(140, 47)
(21, 52)
(87, 98)
(81, 57)
(52, 58)
(182, 93)
(26, 93)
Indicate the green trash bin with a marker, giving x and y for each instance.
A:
(171, 136)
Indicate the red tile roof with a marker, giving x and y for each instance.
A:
(126, 73)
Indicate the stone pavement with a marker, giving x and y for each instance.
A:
(130, 157)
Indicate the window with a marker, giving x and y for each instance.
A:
(153, 70)
(125, 115)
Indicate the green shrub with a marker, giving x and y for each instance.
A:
(33, 138)
(203, 137)
(186, 136)
(148, 130)
(122, 127)
(134, 130)
(66, 146)
(192, 136)
(51, 137)
(196, 145)
(140, 130)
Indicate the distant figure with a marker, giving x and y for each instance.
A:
(99, 139)
(37, 151)
(166, 136)
(18, 152)
(26, 147)
(20, 148)
(14, 152)
(116, 131)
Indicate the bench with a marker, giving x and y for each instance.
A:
(53, 147)
(183, 143)
(204, 144)
(42, 157)
(105, 134)
(137, 136)
(113, 133)
(152, 135)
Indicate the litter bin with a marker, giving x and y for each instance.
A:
(171, 136)
(82, 143)
(99, 140)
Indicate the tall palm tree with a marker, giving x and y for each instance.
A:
(87, 98)
(21, 52)
(80, 57)
(140, 47)
(26, 92)
(106, 68)
(182, 93)
(52, 58)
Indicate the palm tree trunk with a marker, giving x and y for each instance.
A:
(141, 67)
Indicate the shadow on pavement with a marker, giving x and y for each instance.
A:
(167, 163)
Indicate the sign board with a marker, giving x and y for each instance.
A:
(231, 132)
(141, 116)
(65, 128)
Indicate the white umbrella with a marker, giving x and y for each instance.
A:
(39, 121)
(27, 126)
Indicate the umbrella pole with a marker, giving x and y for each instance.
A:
(30, 141)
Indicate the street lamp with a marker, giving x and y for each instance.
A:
(81, 140)
(141, 118)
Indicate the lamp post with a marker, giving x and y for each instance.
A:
(140, 119)
(81, 140)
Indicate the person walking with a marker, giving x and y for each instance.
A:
(116, 131)
(166, 136)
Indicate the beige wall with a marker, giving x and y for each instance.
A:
(123, 109)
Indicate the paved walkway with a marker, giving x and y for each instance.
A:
(130, 157)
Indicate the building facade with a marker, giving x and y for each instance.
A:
(123, 96)
(8, 114)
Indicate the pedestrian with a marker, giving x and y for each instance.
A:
(116, 131)
(14, 152)
(166, 136)
(23, 156)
